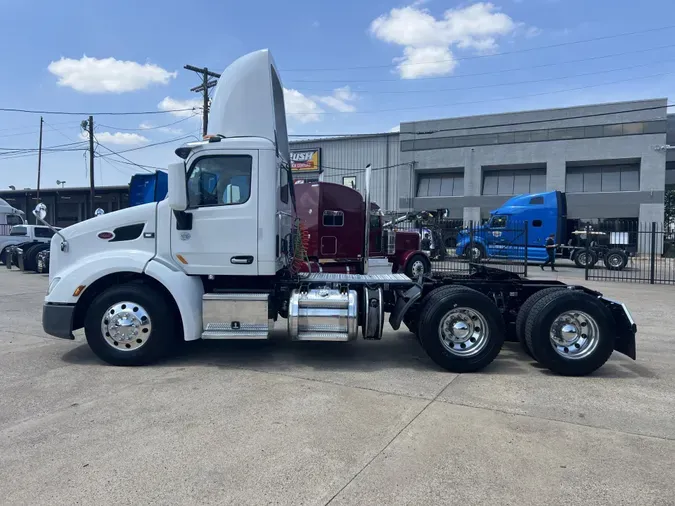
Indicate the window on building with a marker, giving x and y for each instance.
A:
(602, 178)
(513, 182)
(441, 185)
(333, 218)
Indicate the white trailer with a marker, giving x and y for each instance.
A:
(218, 260)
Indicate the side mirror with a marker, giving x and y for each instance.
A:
(40, 211)
(99, 212)
(177, 194)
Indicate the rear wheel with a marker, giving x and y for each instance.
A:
(570, 332)
(461, 329)
(615, 259)
(524, 312)
(3, 256)
(584, 257)
(30, 256)
(130, 324)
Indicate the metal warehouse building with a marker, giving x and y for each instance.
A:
(610, 159)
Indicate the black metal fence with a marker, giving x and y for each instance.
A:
(452, 246)
(630, 252)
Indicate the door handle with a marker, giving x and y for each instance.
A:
(242, 260)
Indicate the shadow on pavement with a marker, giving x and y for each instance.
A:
(400, 352)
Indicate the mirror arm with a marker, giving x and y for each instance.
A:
(64, 242)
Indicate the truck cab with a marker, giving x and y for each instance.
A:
(518, 228)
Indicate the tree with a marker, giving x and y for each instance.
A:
(669, 214)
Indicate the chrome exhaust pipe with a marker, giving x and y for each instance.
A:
(366, 242)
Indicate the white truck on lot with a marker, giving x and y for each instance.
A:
(14, 231)
(219, 259)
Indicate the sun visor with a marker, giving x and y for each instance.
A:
(249, 102)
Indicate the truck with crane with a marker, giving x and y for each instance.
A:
(220, 258)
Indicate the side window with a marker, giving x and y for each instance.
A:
(43, 232)
(284, 178)
(537, 200)
(13, 219)
(536, 223)
(333, 218)
(219, 181)
(18, 231)
(498, 221)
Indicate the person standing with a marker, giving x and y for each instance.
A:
(550, 250)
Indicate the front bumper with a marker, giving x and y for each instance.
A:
(57, 320)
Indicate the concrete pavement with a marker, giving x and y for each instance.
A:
(315, 423)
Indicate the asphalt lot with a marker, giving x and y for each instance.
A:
(316, 423)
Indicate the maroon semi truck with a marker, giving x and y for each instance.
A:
(334, 216)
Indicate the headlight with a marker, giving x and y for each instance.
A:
(52, 285)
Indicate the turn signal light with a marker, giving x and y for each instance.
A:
(79, 290)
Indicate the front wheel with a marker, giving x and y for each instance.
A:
(129, 325)
(475, 252)
(417, 266)
(461, 329)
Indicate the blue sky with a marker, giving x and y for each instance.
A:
(348, 66)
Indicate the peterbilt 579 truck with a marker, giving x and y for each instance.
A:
(219, 257)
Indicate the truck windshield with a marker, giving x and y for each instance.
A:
(14, 219)
(498, 221)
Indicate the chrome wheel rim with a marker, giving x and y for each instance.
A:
(463, 332)
(126, 326)
(615, 260)
(417, 268)
(583, 258)
(475, 253)
(574, 335)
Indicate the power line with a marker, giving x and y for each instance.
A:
(512, 83)
(142, 165)
(480, 56)
(184, 137)
(109, 113)
(117, 154)
(482, 101)
(149, 128)
(475, 74)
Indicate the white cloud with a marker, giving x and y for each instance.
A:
(108, 75)
(145, 126)
(300, 107)
(171, 104)
(396, 129)
(428, 42)
(341, 100)
(119, 138)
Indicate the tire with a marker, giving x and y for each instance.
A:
(586, 316)
(615, 259)
(475, 252)
(473, 350)
(3, 256)
(30, 256)
(416, 262)
(161, 335)
(524, 312)
(580, 259)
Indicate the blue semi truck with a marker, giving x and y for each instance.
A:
(519, 230)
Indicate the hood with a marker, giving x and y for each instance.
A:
(110, 221)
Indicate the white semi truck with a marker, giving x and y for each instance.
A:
(218, 259)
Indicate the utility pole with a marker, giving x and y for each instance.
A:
(91, 166)
(204, 89)
(39, 160)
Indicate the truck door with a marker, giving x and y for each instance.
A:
(497, 237)
(222, 194)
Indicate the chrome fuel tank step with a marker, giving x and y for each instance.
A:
(236, 316)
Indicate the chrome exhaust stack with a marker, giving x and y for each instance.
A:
(366, 242)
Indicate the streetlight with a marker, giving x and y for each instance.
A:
(12, 187)
(62, 183)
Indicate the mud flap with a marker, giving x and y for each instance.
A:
(403, 302)
(625, 328)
